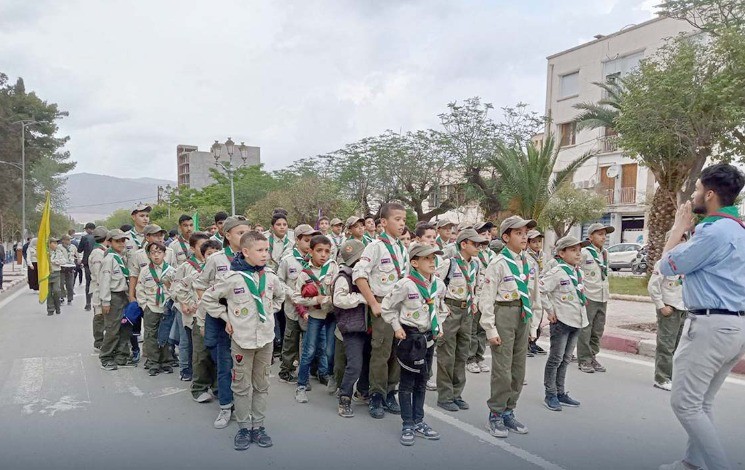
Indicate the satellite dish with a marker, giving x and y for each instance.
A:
(612, 171)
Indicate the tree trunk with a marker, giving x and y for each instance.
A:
(661, 218)
(690, 183)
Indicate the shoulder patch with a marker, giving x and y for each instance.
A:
(564, 282)
(222, 268)
(385, 260)
(508, 279)
(413, 296)
(239, 290)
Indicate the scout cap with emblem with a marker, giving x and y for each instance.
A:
(418, 250)
(444, 223)
(51, 239)
(515, 221)
(154, 229)
(351, 220)
(305, 229)
(141, 208)
(117, 234)
(100, 232)
(569, 241)
(335, 221)
(483, 226)
(595, 227)
(469, 234)
(351, 251)
(534, 234)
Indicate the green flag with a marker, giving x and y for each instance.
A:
(196, 221)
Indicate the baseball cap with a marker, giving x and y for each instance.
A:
(153, 229)
(469, 234)
(595, 227)
(569, 241)
(515, 221)
(117, 234)
(99, 233)
(353, 220)
(483, 226)
(52, 239)
(351, 251)
(534, 234)
(141, 208)
(305, 229)
(233, 222)
(442, 223)
(335, 221)
(423, 249)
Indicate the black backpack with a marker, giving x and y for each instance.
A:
(353, 320)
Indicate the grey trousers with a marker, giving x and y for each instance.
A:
(709, 348)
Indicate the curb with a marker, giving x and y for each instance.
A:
(632, 298)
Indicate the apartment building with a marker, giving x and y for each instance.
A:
(193, 165)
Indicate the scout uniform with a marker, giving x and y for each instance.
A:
(508, 299)
(460, 279)
(70, 256)
(56, 259)
(336, 240)
(536, 261)
(136, 240)
(416, 305)
(441, 224)
(95, 261)
(139, 260)
(278, 248)
(563, 295)
(594, 268)
(252, 298)
(666, 291)
(153, 284)
(113, 292)
(383, 263)
(476, 362)
(181, 250)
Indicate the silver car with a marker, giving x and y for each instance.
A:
(622, 255)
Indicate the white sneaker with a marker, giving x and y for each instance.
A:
(204, 397)
(666, 385)
(223, 419)
(431, 385)
(473, 368)
(301, 396)
(484, 366)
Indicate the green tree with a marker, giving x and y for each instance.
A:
(569, 206)
(604, 112)
(117, 218)
(252, 184)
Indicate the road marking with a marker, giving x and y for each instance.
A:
(24, 383)
(124, 383)
(167, 392)
(489, 439)
(11, 298)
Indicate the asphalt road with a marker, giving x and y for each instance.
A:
(59, 410)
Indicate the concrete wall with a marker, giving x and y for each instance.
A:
(200, 163)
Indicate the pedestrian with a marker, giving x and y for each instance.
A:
(667, 294)
(216, 338)
(415, 310)
(384, 262)
(594, 267)
(113, 290)
(444, 229)
(252, 293)
(713, 338)
(32, 265)
(427, 234)
(180, 246)
(313, 291)
(136, 233)
(337, 235)
(68, 254)
(356, 229)
(459, 275)
(476, 362)
(219, 233)
(85, 247)
(2, 261)
(56, 260)
(563, 298)
(535, 251)
(279, 242)
(171, 237)
(508, 299)
(93, 266)
(350, 309)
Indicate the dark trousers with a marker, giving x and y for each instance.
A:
(88, 294)
(78, 274)
(563, 341)
(68, 283)
(33, 277)
(218, 340)
(279, 327)
(411, 391)
(357, 350)
(1, 273)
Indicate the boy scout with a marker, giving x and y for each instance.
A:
(279, 241)
(180, 246)
(356, 229)
(508, 299)
(337, 235)
(140, 219)
(459, 274)
(112, 289)
(371, 233)
(563, 295)
(95, 259)
(69, 254)
(220, 219)
(253, 294)
(140, 259)
(383, 262)
(56, 259)
(667, 294)
(444, 230)
(476, 362)
(595, 271)
(535, 251)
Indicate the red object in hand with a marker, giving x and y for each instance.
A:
(301, 310)
(309, 290)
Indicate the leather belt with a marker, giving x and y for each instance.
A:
(717, 311)
(457, 303)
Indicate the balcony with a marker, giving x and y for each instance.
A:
(615, 197)
(609, 144)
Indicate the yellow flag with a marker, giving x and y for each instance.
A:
(42, 251)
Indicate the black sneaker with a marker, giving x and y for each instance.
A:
(513, 424)
(461, 403)
(566, 400)
(496, 426)
(186, 376)
(260, 438)
(128, 363)
(423, 430)
(167, 369)
(391, 404)
(88, 308)
(287, 378)
(539, 350)
(407, 437)
(136, 355)
(323, 380)
(153, 371)
(108, 366)
(376, 406)
(530, 353)
(242, 440)
(448, 405)
(345, 407)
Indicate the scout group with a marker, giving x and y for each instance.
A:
(363, 306)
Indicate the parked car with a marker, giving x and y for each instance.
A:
(622, 255)
(639, 265)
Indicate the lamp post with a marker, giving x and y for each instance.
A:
(229, 168)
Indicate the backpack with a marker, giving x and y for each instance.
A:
(352, 320)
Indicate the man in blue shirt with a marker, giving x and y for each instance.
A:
(713, 338)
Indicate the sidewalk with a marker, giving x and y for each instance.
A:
(13, 275)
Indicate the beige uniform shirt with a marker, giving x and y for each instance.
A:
(111, 279)
(500, 286)
(314, 310)
(140, 260)
(404, 305)
(135, 242)
(146, 289)
(249, 332)
(95, 260)
(57, 258)
(559, 296)
(70, 253)
(376, 265)
(597, 289)
(485, 258)
(288, 272)
(336, 243)
(665, 290)
(457, 286)
(182, 291)
(343, 297)
(181, 250)
(278, 248)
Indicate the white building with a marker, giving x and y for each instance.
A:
(571, 74)
(193, 166)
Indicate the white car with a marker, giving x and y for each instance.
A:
(622, 254)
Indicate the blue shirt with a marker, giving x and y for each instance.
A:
(713, 262)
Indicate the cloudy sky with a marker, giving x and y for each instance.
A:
(295, 77)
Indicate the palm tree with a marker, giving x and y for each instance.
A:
(527, 176)
(604, 112)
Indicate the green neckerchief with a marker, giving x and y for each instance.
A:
(485, 256)
(256, 290)
(728, 210)
(229, 253)
(219, 237)
(119, 261)
(428, 291)
(367, 239)
(469, 272)
(522, 282)
(603, 265)
(399, 265)
(308, 269)
(160, 296)
(194, 262)
(100, 247)
(576, 276)
(440, 242)
(134, 238)
(338, 240)
(285, 242)
(303, 260)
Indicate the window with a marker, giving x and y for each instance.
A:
(568, 132)
(569, 85)
(616, 68)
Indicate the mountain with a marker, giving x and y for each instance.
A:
(93, 197)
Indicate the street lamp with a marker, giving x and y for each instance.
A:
(229, 168)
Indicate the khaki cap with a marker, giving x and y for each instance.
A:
(444, 223)
(233, 222)
(153, 229)
(52, 239)
(469, 234)
(305, 229)
(65, 237)
(515, 221)
(353, 220)
(595, 227)
(423, 249)
(117, 234)
(351, 251)
(496, 244)
(141, 208)
(100, 232)
(569, 241)
(482, 226)
(336, 221)
(534, 234)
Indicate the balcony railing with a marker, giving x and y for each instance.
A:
(616, 197)
(609, 143)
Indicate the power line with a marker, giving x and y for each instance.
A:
(111, 202)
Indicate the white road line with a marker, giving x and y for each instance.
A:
(489, 439)
(11, 298)
(124, 382)
(167, 391)
(24, 382)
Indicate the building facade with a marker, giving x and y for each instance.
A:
(193, 165)
(626, 186)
